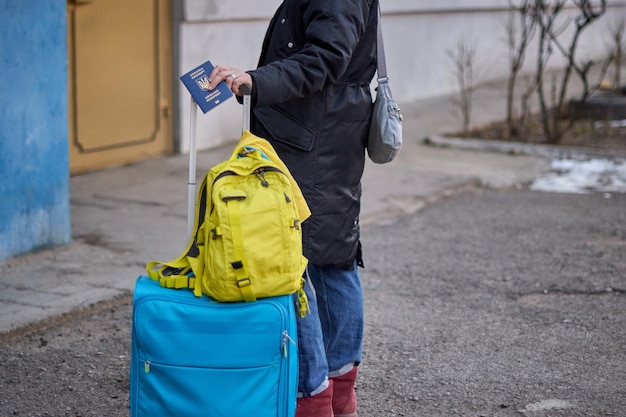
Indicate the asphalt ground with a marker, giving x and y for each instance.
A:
(485, 302)
(498, 303)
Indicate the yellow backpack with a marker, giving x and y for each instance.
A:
(248, 239)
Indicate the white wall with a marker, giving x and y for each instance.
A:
(417, 39)
(417, 35)
(227, 33)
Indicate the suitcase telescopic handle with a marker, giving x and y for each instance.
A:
(246, 89)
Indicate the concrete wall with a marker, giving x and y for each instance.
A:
(436, 27)
(34, 185)
(227, 33)
(417, 36)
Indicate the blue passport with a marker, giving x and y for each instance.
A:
(197, 82)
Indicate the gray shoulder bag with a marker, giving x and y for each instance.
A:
(385, 135)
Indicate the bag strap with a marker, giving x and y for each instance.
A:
(381, 65)
(185, 271)
(232, 199)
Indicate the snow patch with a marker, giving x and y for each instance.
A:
(551, 404)
(583, 177)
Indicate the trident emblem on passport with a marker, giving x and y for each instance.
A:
(203, 83)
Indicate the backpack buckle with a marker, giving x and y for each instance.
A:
(244, 282)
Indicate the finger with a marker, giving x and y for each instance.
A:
(216, 71)
(239, 80)
(230, 77)
(217, 75)
(213, 74)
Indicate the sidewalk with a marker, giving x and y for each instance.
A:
(124, 217)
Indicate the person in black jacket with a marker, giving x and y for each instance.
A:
(311, 99)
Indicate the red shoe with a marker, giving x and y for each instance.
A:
(344, 396)
(320, 405)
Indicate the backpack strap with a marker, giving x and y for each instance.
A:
(185, 271)
(175, 274)
(232, 199)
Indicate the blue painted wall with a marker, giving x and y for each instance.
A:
(34, 166)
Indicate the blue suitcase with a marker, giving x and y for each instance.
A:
(195, 357)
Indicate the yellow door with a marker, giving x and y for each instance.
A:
(119, 81)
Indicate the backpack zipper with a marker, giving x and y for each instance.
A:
(259, 172)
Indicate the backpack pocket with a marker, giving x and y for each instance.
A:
(254, 241)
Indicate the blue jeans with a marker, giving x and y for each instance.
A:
(331, 335)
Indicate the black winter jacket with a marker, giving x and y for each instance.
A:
(312, 101)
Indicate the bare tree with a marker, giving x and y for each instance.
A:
(588, 13)
(517, 42)
(463, 57)
(525, 107)
(617, 30)
(546, 13)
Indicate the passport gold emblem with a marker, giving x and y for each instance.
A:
(203, 83)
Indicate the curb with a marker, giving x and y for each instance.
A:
(402, 207)
(518, 148)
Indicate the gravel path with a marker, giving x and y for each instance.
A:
(488, 303)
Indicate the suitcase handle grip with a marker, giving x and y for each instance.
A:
(245, 89)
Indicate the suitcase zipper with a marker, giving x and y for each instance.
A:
(286, 338)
